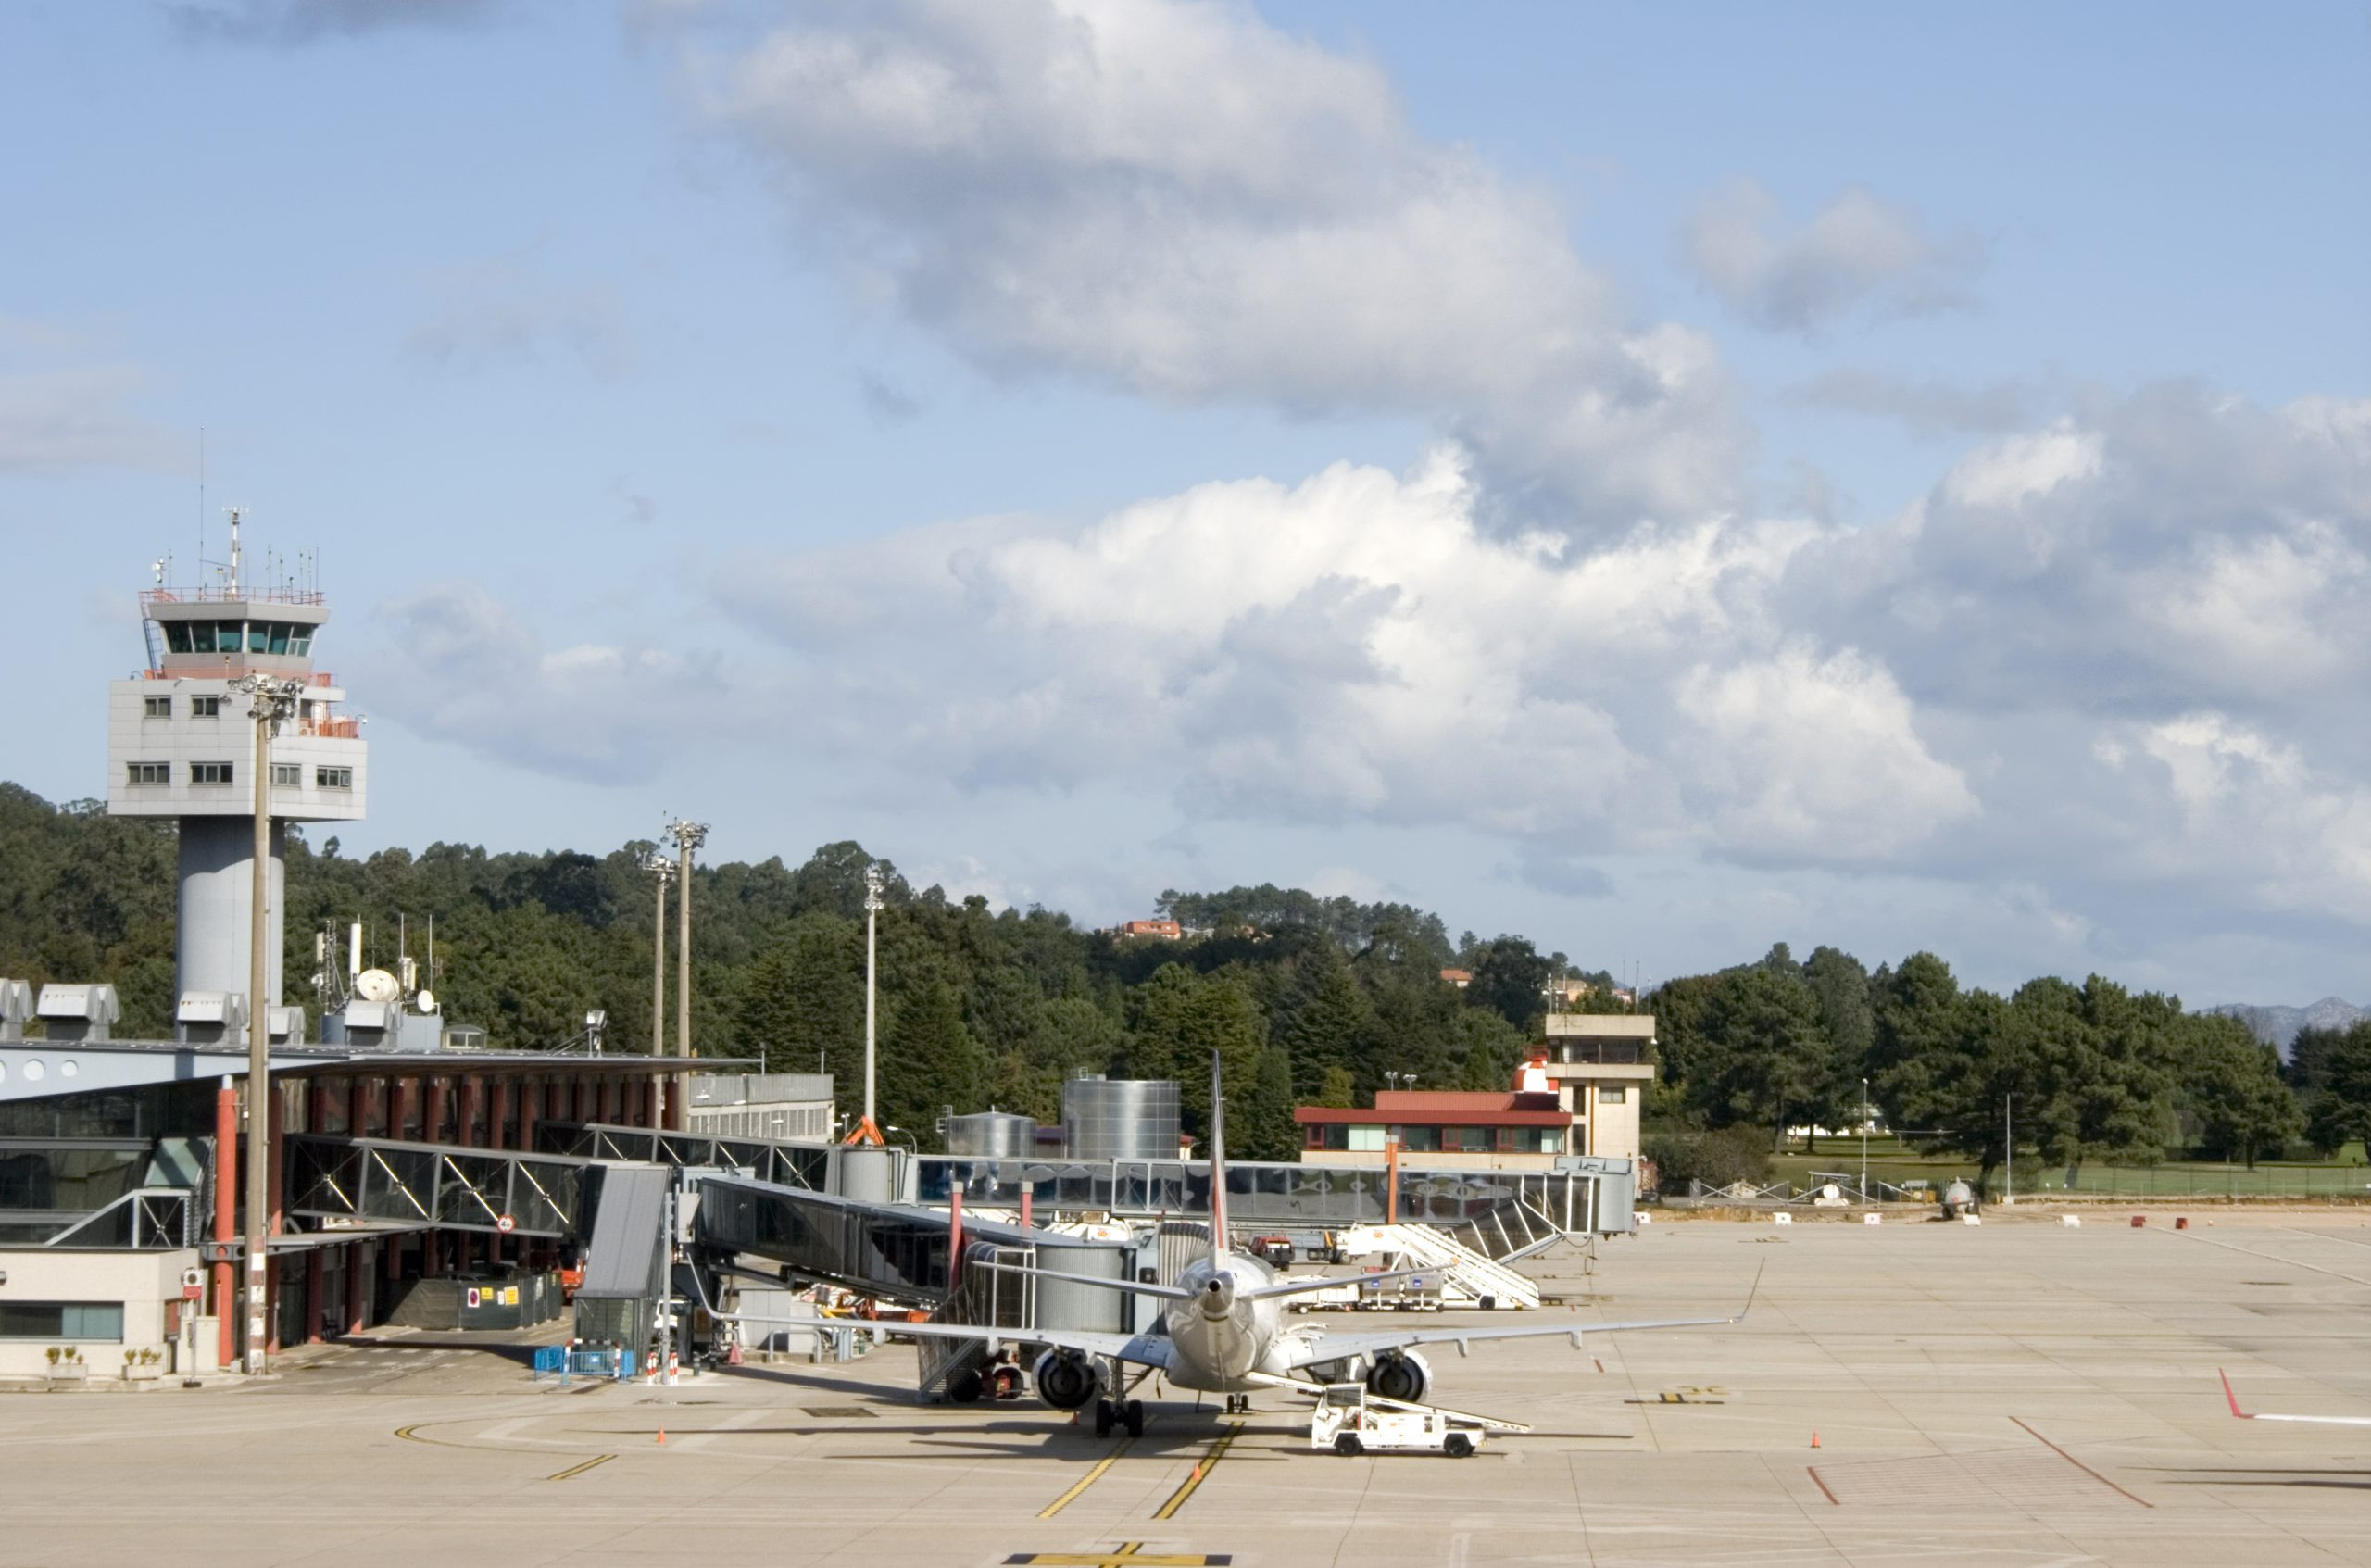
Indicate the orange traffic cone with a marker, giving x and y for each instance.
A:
(1814, 1438)
(663, 1439)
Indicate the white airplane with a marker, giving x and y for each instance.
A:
(1226, 1332)
(2267, 1415)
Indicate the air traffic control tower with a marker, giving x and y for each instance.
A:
(180, 743)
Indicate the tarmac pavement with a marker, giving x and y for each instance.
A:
(2013, 1394)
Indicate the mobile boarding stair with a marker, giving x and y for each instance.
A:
(1455, 1275)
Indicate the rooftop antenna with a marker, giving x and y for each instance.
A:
(201, 505)
(234, 552)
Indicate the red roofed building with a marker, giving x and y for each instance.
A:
(1168, 929)
(1579, 1094)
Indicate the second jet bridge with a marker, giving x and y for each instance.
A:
(900, 1253)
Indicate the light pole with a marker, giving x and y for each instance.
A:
(1865, 1140)
(661, 871)
(868, 1131)
(689, 836)
(2009, 1142)
(271, 699)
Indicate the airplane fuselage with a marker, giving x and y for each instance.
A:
(1220, 1336)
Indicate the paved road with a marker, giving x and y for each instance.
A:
(2016, 1394)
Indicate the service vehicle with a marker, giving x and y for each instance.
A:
(1347, 1421)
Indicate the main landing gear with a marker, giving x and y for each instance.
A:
(1109, 1414)
(1238, 1404)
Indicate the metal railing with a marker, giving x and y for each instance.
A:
(219, 593)
(157, 1219)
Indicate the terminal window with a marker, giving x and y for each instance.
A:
(61, 1320)
(287, 775)
(149, 772)
(157, 707)
(205, 707)
(210, 772)
(333, 778)
(1613, 1096)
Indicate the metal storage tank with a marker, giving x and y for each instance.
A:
(992, 1134)
(1120, 1119)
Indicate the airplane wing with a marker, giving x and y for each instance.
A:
(1173, 1293)
(1143, 1350)
(2265, 1415)
(1319, 1348)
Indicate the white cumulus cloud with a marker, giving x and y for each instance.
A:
(1179, 200)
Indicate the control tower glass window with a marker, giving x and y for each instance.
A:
(177, 636)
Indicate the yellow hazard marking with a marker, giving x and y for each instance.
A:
(1089, 1479)
(1201, 1473)
(581, 1469)
(1130, 1555)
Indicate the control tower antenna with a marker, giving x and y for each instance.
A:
(234, 586)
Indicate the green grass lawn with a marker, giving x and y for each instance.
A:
(1890, 1160)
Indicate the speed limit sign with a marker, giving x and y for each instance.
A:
(506, 1225)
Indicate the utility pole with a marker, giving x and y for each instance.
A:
(272, 698)
(868, 1131)
(661, 870)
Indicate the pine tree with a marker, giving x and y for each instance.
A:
(1269, 1131)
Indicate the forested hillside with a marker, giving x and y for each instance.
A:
(1306, 998)
(978, 1007)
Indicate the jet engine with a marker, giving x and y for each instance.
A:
(1400, 1375)
(1067, 1381)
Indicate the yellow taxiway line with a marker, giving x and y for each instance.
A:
(1089, 1479)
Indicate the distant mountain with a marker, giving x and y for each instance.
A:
(2278, 1025)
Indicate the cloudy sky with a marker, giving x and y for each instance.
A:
(1663, 479)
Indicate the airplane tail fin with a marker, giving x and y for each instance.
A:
(1218, 1160)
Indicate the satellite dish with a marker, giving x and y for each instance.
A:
(427, 1001)
(376, 986)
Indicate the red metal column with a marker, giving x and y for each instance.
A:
(399, 1098)
(315, 1265)
(358, 1106)
(226, 1217)
(317, 1106)
(472, 1102)
(497, 1123)
(433, 1129)
(530, 1095)
(653, 1108)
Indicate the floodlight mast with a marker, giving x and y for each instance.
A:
(271, 699)
(689, 836)
(661, 871)
(868, 1131)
